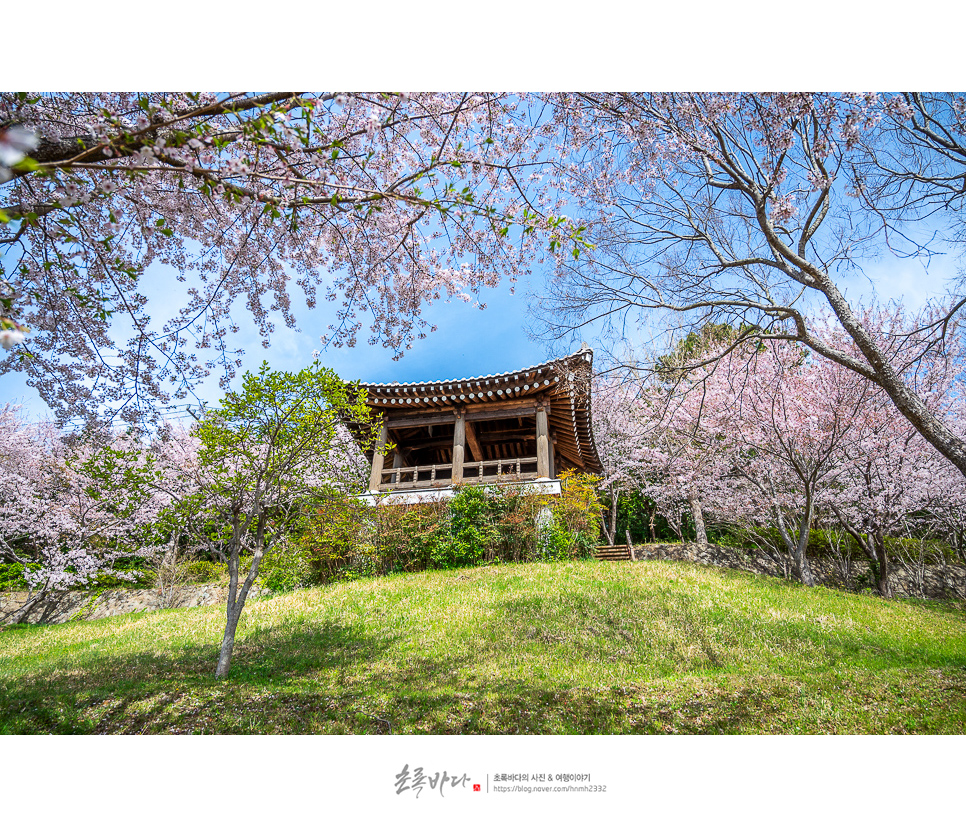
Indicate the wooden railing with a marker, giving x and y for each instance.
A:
(474, 472)
(416, 477)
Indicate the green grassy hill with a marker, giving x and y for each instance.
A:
(575, 647)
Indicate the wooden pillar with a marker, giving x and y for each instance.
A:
(553, 458)
(459, 451)
(377, 459)
(397, 461)
(543, 444)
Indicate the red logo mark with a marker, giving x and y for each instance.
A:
(476, 787)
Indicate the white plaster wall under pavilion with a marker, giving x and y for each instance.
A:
(514, 428)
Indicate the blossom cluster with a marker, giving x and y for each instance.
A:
(382, 202)
(771, 435)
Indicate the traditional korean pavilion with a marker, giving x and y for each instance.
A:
(524, 426)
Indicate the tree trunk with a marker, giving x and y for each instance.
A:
(873, 547)
(700, 534)
(802, 568)
(236, 595)
(650, 523)
(228, 641)
(611, 532)
(880, 368)
(799, 552)
(21, 614)
(603, 526)
(881, 562)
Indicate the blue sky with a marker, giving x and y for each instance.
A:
(470, 341)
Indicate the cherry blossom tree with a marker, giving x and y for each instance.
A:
(620, 436)
(791, 435)
(253, 461)
(890, 479)
(743, 209)
(766, 434)
(796, 422)
(70, 510)
(680, 458)
(385, 201)
(687, 452)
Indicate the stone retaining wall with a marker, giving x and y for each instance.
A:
(931, 582)
(62, 606)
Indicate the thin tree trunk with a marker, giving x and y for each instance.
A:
(802, 567)
(873, 546)
(21, 614)
(228, 641)
(797, 549)
(700, 534)
(609, 533)
(603, 526)
(236, 595)
(613, 518)
(882, 562)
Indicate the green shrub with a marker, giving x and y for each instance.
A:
(285, 568)
(411, 538)
(202, 571)
(11, 576)
(472, 516)
(577, 514)
(335, 531)
(343, 538)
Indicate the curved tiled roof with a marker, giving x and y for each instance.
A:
(564, 382)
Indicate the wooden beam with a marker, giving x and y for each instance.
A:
(445, 443)
(410, 411)
(492, 410)
(428, 419)
(509, 435)
(474, 443)
(477, 413)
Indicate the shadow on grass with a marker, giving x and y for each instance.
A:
(435, 697)
(670, 634)
(324, 676)
(132, 691)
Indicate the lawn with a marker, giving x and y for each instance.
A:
(572, 647)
